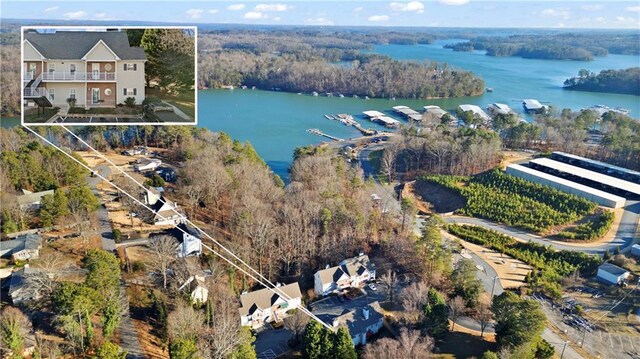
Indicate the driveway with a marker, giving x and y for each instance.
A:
(271, 343)
(104, 228)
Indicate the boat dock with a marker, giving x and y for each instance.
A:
(348, 120)
(316, 131)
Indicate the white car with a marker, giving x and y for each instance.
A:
(372, 286)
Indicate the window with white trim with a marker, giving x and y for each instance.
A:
(52, 94)
(130, 91)
(131, 67)
(72, 93)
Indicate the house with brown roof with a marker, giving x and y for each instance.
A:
(96, 68)
(351, 272)
(264, 306)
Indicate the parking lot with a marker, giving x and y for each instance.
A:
(99, 119)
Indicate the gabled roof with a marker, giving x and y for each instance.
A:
(68, 45)
(357, 265)
(96, 45)
(33, 47)
(612, 269)
(330, 275)
(355, 320)
(29, 198)
(265, 298)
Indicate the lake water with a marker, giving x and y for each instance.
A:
(275, 122)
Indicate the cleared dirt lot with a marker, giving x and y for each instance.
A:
(435, 198)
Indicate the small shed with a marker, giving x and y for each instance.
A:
(612, 274)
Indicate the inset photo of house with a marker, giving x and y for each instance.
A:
(109, 75)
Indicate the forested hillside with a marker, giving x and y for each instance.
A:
(625, 81)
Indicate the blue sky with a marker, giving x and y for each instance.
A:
(437, 13)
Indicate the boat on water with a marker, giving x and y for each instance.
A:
(489, 89)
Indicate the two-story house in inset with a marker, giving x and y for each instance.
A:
(264, 306)
(352, 272)
(96, 68)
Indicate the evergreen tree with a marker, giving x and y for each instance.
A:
(311, 341)
(343, 345)
(245, 348)
(436, 320)
(182, 348)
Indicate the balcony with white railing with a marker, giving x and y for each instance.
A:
(78, 76)
(28, 76)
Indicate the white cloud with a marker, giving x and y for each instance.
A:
(591, 7)
(195, 13)
(213, 11)
(235, 7)
(100, 15)
(358, 9)
(413, 6)
(319, 21)
(50, 9)
(270, 7)
(633, 8)
(453, 2)
(559, 12)
(277, 18)
(75, 15)
(378, 18)
(601, 19)
(255, 15)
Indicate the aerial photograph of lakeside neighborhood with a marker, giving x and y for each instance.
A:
(320, 179)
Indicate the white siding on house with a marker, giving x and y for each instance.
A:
(130, 79)
(100, 53)
(30, 53)
(63, 66)
(61, 90)
(611, 278)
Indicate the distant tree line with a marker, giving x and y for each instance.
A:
(568, 46)
(625, 81)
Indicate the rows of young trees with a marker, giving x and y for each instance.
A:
(559, 46)
(515, 202)
(593, 229)
(624, 81)
(550, 265)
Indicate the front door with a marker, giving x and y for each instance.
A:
(95, 95)
(95, 69)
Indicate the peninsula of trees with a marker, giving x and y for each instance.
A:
(566, 46)
(625, 81)
(309, 61)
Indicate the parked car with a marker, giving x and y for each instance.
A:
(372, 286)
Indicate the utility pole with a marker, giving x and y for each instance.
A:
(563, 348)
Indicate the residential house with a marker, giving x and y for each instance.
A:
(96, 68)
(146, 164)
(19, 290)
(264, 306)
(137, 150)
(196, 288)
(191, 243)
(166, 212)
(22, 248)
(361, 323)
(352, 272)
(612, 274)
(30, 200)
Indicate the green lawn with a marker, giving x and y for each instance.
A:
(42, 117)
(185, 102)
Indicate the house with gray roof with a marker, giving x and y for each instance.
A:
(264, 306)
(96, 68)
(22, 248)
(19, 290)
(612, 274)
(351, 272)
(362, 322)
(31, 200)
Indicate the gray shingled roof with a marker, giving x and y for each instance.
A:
(265, 298)
(613, 269)
(29, 198)
(68, 45)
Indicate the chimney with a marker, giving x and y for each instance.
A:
(336, 321)
(360, 254)
(365, 312)
(327, 266)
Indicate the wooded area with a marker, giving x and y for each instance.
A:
(624, 81)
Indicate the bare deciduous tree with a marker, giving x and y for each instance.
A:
(185, 322)
(164, 249)
(389, 281)
(413, 298)
(409, 345)
(457, 309)
(296, 324)
(51, 266)
(483, 316)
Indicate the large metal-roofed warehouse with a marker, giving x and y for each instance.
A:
(590, 178)
(587, 163)
(600, 197)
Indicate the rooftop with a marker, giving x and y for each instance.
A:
(265, 298)
(66, 45)
(562, 181)
(612, 269)
(29, 198)
(532, 104)
(587, 174)
(598, 163)
(476, 110)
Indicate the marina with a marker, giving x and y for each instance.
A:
(317, 132)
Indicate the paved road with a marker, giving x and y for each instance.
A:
(363, 158)
(624, 237)
(128, 335)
